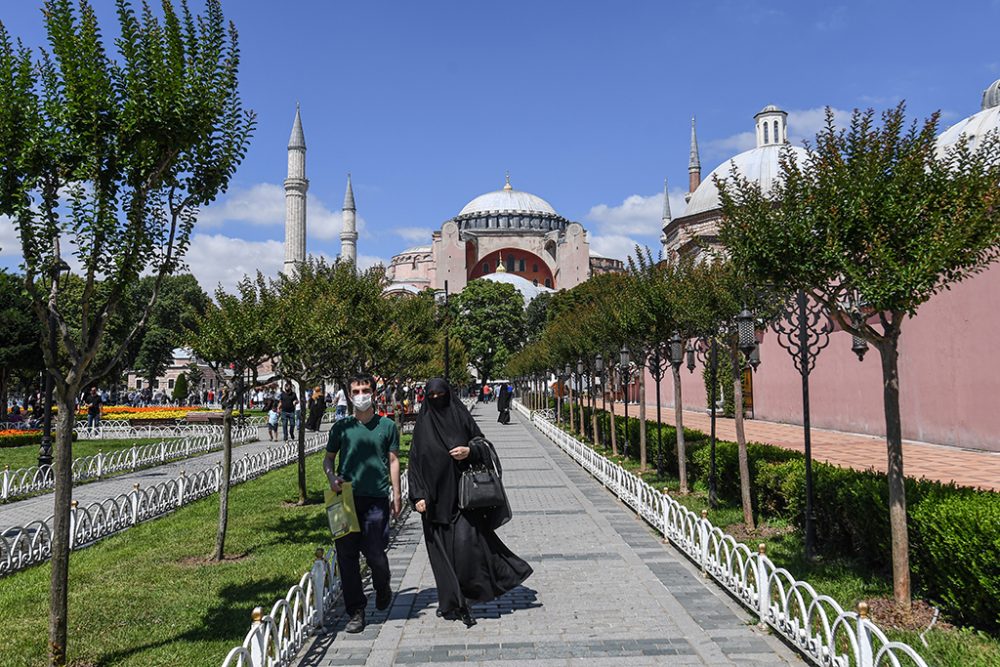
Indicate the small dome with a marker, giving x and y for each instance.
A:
(759, 164)
(770, 108)
(527, 289)
(508, 200)
(991, 96)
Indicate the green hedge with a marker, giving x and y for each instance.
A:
(27, 439)
(954, 531)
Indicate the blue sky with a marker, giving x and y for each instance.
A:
(587, 104)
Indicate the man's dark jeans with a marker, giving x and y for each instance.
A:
(288, 424)
(372, 541)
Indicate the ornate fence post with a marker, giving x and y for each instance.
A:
(665, 505)
(703, 525)
(163, 451)
(318, 574)
(100, 463)
(5, 486)
(72, 524)
(865, 657)
(135, 458)
(259, 639)
(181, 487)
(187, 446)
(135, 503)
(763, 590)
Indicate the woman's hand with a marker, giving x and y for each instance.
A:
(459, 453)
(421, 506)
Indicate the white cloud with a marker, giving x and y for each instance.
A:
(10, 241)
(414, 234)
(263, 205)
(637, 214)
(803, 124)
(368, 261)
(618, 246)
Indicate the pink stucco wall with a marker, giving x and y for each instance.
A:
(949, 375)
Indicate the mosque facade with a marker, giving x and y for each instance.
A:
(947, 391)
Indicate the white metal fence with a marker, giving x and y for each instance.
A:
(26, 481)
(23, 546)
(815, 624)
(109, 429)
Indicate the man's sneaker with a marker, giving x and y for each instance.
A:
(383, 598)
(357, 622)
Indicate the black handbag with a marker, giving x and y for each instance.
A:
(481, 485)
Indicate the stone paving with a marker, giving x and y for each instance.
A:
(38, 508)
(965, 467)
(606, 590)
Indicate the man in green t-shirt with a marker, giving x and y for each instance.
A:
(368, 448)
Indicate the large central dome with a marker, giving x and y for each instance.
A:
(508, 200)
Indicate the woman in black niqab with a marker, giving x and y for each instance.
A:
(469, 561)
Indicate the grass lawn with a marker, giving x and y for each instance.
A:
(844, 580)
(147, 597)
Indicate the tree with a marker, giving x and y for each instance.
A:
(19, 332)
(490, 323)
(113, 156)
(872, 224)
(536, 315)
(313, 311)
(195, 376)
(180, 392)
(180, 301)
(234, 338)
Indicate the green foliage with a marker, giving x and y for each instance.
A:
(181, 300)
(489, 320)
(180, 392)
(195, 375)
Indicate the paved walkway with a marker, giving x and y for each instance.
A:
(605, 591)
(965, 467)
(38, 508)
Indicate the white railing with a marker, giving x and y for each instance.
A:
(23, 546)
(275, 639)
(34, 479)
(111, 429)
(815, 624)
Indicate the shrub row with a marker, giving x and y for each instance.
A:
(954, 531)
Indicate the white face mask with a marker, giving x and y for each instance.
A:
(362, 402)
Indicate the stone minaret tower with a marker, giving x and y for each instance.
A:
(694, 164)
(296, 186)
(349, 233)
(666, 217)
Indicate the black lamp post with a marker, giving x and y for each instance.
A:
(626, 372)
(60, 271)
(658, 368)
(803, 329)
(707, 352)
(567, 388)
(599, 368)
(579, 392)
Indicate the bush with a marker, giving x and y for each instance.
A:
(20, 438)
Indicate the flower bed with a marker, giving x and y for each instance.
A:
(152, 412)
(14, 437)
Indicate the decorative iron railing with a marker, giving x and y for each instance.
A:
(275, 639)
(24, 546)
(34, 479)
(109, 429)
(815, 624)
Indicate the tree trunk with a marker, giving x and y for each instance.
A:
(593, 419)
(225, 473)
(569, 406)
(679, 424)
(63, 497)
(579, 398)
(741, 438)
(300, 443)
(642, 419)
(897, 482)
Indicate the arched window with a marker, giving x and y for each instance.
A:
(534, 267)
(535, 282)
(548, 282)
(510, 264)
(777, 135)
(520, 265)
(766, 140)
(486, 267)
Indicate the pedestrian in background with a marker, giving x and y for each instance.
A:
(287, 402)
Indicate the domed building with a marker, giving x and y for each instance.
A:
(978, 125)
(699, 224)
(507, 231)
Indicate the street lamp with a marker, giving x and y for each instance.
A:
(599, 370)
(441, 297)
(579, 392)
(59, 271)
(567, 389)
(658, 364)
(707, 351)
(626, 371)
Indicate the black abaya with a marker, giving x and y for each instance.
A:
(470, 563)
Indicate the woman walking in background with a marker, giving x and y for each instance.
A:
(469, 561)
(317, 406)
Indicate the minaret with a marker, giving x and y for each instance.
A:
(694, 163)
(666, 217)
(296, 186)
(349, 233)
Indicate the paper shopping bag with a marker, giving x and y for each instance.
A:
(340, 511)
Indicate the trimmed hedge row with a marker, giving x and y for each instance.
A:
(23, 438)
(954, 531)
